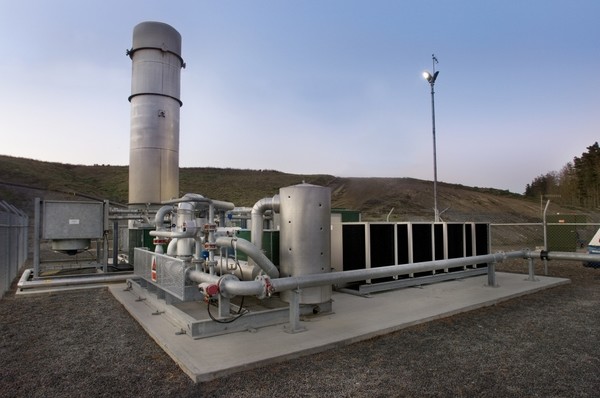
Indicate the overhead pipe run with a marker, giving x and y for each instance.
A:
(257, 217)
(196, 198)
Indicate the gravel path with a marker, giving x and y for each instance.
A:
(84, 344)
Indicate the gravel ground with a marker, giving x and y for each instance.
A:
(84, 343)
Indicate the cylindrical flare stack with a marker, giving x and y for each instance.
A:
(155, 105)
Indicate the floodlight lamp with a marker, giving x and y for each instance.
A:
(431, 79)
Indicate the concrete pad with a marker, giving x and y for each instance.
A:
(353, 319)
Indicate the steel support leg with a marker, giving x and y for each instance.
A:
(224, 307)
(532, 277)
(294, 325)
(492, 275)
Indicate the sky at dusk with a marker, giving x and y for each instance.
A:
(316, 87)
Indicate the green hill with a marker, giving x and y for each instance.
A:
(21, 180)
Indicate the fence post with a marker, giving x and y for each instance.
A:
(4, 244)
(545, 223)
(36, 237)
(13, 243)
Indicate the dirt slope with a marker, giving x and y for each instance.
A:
(21, 180)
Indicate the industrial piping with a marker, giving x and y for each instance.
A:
(262, 287)
(257, 216)
(159, 218)
(70, 281)
(194, 197)
(252, 251)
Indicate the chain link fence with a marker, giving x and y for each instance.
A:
(14, 228)
(556, 231)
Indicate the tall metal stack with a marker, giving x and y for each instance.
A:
(155, 105)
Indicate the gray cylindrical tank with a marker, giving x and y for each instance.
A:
(305, 237)
(155, 104)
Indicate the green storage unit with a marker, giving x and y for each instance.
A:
(243, 234)
(347, 215)
(140, 237)
(562, 235)
(270, 244)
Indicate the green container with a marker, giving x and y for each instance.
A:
(140, 237)
(562, 236)
(347, 215)
(243, 234)
(270, 244)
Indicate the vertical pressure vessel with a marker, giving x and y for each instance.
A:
(305, 237)
(155, 104)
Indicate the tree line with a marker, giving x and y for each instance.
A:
(576, 184)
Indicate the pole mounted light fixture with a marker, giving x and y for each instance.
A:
(431, 78)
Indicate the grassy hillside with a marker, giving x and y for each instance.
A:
(412, 200)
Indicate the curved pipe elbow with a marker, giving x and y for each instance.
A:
(230, 286)
(159, 218)
(253, 252)
(257, 214)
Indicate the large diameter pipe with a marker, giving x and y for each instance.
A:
(234, 287)
(173, 234)
(70, 281)
(252, 251)
(196, 198)
(230, 286)
(159, 218)
(257, 217)
(568, 256)
(284, 284)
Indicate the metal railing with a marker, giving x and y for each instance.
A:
(14, 228)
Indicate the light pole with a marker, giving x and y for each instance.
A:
(431, 79)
